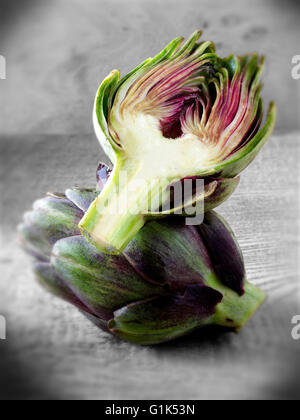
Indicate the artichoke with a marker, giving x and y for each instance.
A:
(170, 280)
(186, 113)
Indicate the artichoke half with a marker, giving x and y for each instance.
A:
(184, 113)
(170, 280)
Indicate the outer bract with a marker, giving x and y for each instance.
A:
(170, 280)
(184, 113)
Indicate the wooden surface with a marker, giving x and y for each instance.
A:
(52, 351)
(57, 52)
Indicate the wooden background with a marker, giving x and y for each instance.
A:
(57, 56)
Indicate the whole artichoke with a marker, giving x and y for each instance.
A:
(170, 280)
(184, 113)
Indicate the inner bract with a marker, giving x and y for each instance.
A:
(186, 113)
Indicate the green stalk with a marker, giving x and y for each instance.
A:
(117, 214)
(234, 311)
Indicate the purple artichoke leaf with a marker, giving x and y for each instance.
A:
(180, 202)
(49, 279)
(99, 322)
(53, 210)
(34, 242)
(243, 156)
(170, 252)
(103, 282)
(224, 189)
(224, 251)
(187, 197)
(52, 218)
(164, 318)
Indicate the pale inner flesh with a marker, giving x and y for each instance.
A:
(147, 156)
(144, 144)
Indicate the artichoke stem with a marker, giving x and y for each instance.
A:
(117, 214)
(234, 311)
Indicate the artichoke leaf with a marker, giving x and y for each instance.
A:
(211, 194)
(82, 197)
(100, 280)
(224, 251)
(52, 218)
(164, 318)
(168, 251)
(49, 279)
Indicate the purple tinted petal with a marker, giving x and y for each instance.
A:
(52, 218)
(103, 282)
(225, 187)
(170, 252)
(48, 278)
(34, 242)
(164, 318)
(224, 251)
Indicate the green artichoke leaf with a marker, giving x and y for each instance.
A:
(102, 101)
(82, 197)
(49, 279)
(100, 280)
(52, 218)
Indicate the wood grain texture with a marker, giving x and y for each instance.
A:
(52, 351)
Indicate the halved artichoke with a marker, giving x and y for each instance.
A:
(184, 113)
(170, 280)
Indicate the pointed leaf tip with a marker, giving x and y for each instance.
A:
(82, 197)
(164, 318)
(224, 251)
